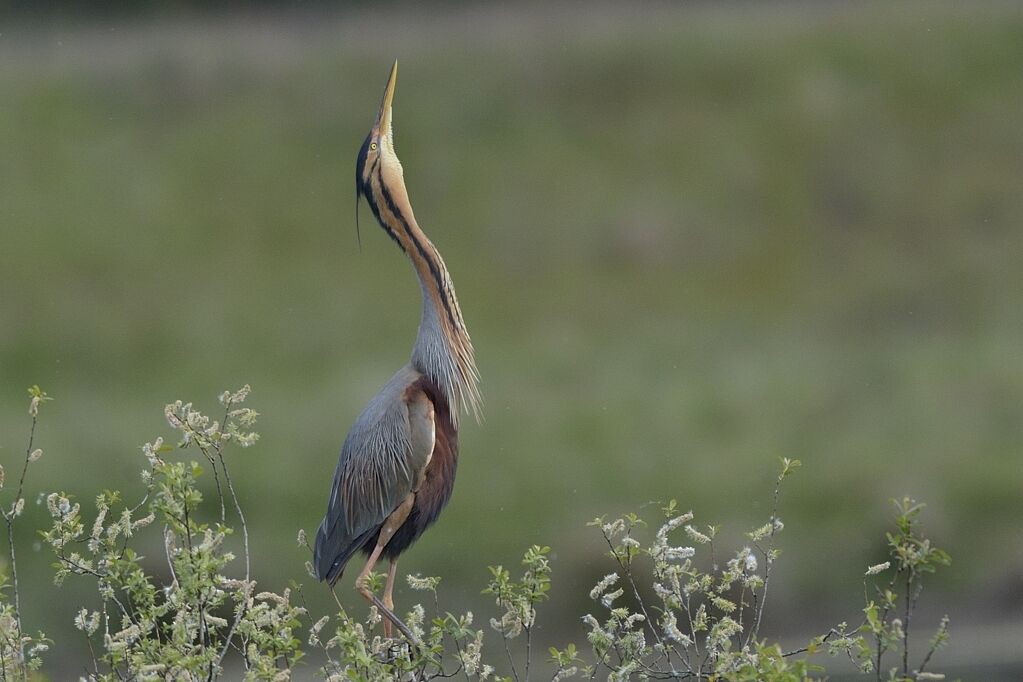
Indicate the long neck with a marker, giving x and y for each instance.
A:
(443, 350)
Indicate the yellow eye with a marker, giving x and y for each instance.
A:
(373, 146)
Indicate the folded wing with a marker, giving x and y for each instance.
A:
(382, 461)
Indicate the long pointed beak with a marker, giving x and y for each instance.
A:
(384, 117)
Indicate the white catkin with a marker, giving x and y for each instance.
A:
(143, 522)
(318, 625)
(679, 553)
(216, 621)
(878, 568)
(97, 526)
(662, 532)
(696, 535)
(418, 582)
(605, 582)
(609, 598)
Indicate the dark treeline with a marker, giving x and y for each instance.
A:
(41, 9)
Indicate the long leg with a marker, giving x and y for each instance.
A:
(392, 524)
(392, 570)
(361, 584)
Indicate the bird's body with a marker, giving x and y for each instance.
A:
(380, 464)
(397, 466)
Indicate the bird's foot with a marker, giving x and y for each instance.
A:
(390, 617)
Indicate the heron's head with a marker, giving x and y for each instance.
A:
(378, 148)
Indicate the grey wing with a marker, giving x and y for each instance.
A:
(382, 461)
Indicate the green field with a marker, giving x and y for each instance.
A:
(686, 242)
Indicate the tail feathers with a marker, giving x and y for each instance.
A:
(333, 550)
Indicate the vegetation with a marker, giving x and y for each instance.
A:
(704, 622)
(686, 237)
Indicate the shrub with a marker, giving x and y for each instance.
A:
(703, 620)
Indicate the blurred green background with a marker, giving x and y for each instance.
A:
(687, 239)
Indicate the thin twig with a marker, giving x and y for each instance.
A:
(9, 519)
(803, 650)
(92, 652)
(238, 509)
(881, 646)
(245, 534)
(934, 645)
(216, 478)
(511, 662)
(531, 615)
(768, 561)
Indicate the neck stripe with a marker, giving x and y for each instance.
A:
(376, 213)
(434, 270)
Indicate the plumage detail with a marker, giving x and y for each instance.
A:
(422, 456)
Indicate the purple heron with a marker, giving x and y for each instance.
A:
(397, 465)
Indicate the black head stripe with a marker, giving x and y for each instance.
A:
(371, 200)
(360, 166)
